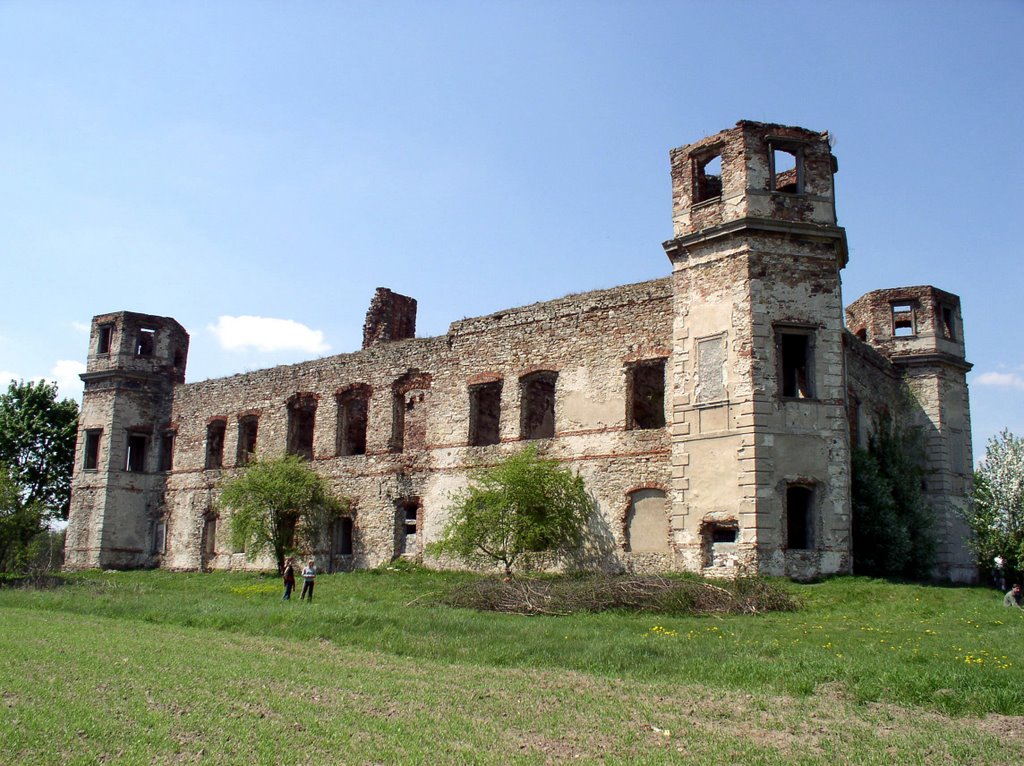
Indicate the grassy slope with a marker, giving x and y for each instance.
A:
(213, 667)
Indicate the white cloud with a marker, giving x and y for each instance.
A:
(7, 377)
(66, 372)
(81, 327)
(267, 334)
(1000, 380)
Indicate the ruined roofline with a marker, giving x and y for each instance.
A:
(660, 289)
(139, 317)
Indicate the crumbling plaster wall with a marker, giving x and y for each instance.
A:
(632, 322)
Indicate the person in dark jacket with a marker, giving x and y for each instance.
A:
(289, 579)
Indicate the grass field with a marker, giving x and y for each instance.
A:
(156, 667)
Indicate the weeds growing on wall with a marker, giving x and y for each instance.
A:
(893, 530)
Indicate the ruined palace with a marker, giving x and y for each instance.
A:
(711, 412)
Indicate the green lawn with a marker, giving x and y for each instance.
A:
(159, 667)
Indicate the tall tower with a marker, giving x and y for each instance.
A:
(760, 444)
(920, 330)
(125, 440)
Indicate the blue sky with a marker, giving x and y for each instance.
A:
(212, 161)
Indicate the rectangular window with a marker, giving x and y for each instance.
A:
(353, 406)
(646, 392)
(946, 322)
(903, 320)
(786, 168)
(248, 428)
(167, 450)
(135, 461)
(146, 342)
(796, 363)
(484, 414)
(341, 537)
(106, 334)
(301, 421)
(707, 176)
(91, 460)
(215, 443)
(537, 417)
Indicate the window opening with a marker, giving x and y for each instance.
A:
(798, 517)
(537, 419)
(708, 177)
(408, 526)
(215, 443)
(485, 414)
(397, 443)
(341, 538)
(647, 394)
(903, 324)
(91, 459)
(167, 450)
(711, 358)
(862, 333)
(106, 335)
(795, 351)
(353, 407)
(248, 428)
(146, 342)
(721, 539)
(786, 170)
(135, 460)
(946, 321)
(301, 421)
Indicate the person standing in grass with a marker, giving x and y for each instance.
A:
(289, 579)
(1014, 597)
(309, 580)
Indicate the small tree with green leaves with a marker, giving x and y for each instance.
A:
(279, 505)
(524, 504)
(996, 517)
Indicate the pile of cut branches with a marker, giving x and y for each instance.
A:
(634, 593)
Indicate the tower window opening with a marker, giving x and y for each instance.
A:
(707, 177)
(903, 320)
(787, 174)
(796, 353)
(106, 334)
(146, 342)
(91, 459)
(135, 460)
(167, 450)
(946, 322)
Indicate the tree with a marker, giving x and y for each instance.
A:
(523, 504)
(37, 455)
(996, 517)
(893, 529)
(37, 443)
(278, 505)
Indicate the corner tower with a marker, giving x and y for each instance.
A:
(125, 440)
(760, 444)
(921, 331)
